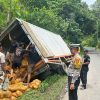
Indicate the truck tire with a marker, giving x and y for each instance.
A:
(44, 74)
(64, 67)
(59, 69)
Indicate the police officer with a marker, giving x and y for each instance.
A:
(85, 69)
(74, 73)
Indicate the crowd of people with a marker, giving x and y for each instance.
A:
(18, 55)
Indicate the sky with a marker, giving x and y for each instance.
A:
(89, 2)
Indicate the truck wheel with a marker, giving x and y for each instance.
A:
(64, 67)
(59, 69)
(45, 74)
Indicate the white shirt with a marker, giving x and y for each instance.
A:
(2, 58)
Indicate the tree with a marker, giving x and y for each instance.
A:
(72, 19)
(96, 11)
(73, 32)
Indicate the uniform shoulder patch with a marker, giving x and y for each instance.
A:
(77, 62)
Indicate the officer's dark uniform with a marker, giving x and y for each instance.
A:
(85, 70)
(73, 93)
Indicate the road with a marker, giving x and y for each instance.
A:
(93, 88)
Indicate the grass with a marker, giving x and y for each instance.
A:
(49, 90)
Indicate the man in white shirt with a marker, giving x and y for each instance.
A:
(2, 66)
(2, 60)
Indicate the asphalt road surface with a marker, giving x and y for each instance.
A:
(93, 87)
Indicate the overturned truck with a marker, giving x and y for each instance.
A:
(52, 51)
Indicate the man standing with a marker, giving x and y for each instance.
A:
(2, 66)
(2, 59)
(74, 73)
(31, 60)
(85, 69)
(16, 63)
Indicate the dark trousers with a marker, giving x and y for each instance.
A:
(83, 76)
(73, 93)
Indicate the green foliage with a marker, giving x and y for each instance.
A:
(72, 19)
(98, 45)
(9, 9)
(73, 32)
(44, 86)
(49, 82)
(81, 14)
(96, 11)
(89, 41)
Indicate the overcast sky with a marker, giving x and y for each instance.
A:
(89, 2)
